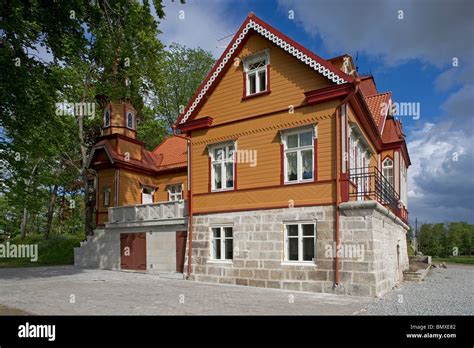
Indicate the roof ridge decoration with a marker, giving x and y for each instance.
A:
(377, 95)
(277, 38)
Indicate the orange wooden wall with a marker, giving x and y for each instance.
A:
(259, 187)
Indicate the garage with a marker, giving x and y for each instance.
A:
(133, 251)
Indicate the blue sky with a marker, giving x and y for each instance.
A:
(409, 53)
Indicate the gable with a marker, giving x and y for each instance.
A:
(254, 25)
(288, 78)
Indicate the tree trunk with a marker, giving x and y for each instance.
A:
(23, 223)
(25, 210)
(49, 219)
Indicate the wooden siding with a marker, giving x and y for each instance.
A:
(106, 178)
(262, 135)
(289, 79)
(131, 183)
(135, 150)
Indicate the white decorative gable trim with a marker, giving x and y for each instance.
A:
(276, 40)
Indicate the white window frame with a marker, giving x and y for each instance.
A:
(251, 60)
(175, 196)
(107, 124)
(152, 189)
(403, 186)
(300, 241)
(222, 161)
(299, 158)
(106, 197)
(133, 119)
(222, 238)
(387, 167)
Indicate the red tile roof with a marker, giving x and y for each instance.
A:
(172, 153)
(378, 105)
(392, 131)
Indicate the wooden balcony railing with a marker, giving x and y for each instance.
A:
(147, 212)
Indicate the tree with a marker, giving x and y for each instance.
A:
(183, 71)
(96, 47)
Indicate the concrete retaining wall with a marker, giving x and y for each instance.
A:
(102, 250)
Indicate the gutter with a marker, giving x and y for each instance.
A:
(338, 176)
(190, 200)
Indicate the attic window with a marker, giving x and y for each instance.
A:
(130, 120)
(106, 118)
(256, 73)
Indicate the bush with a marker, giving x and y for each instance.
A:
(57, 250)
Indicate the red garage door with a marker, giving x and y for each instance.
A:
(133, 251)
(180, 250)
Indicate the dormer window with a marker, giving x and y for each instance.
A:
(107, 118)
(256, 73)
(130, 120)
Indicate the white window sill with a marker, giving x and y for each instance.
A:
(299, 263)
(223, 190)
(298, 182)
(221, 261)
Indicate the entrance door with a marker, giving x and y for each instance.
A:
(180, 250)
(133, 251)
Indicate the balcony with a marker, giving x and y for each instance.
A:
(152, 214)
(369, 184)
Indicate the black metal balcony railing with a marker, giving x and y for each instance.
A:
(369, 183)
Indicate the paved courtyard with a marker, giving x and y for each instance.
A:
(68, 290)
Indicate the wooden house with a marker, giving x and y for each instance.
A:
(286, 171)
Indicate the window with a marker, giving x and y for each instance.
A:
(147, 195)
(298, 156)
(106, 197)
(255, 69)
(106, 118)
(175, 192)
(300, 242)
(222, 167)
(130, 123)
(222, 243)
(387, 170)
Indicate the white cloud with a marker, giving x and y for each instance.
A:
(204, 23)
(440, 180)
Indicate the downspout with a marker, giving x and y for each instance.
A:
(190, 200)
(338, 173)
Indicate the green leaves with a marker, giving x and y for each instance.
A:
(183, 71)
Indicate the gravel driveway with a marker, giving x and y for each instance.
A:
(444, 292)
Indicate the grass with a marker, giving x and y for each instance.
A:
(57, 250)
(467, 260)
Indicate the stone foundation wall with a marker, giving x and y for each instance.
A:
(258, 257)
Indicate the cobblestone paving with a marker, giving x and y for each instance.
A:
(50, 291)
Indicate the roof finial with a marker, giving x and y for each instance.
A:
(251, 14)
